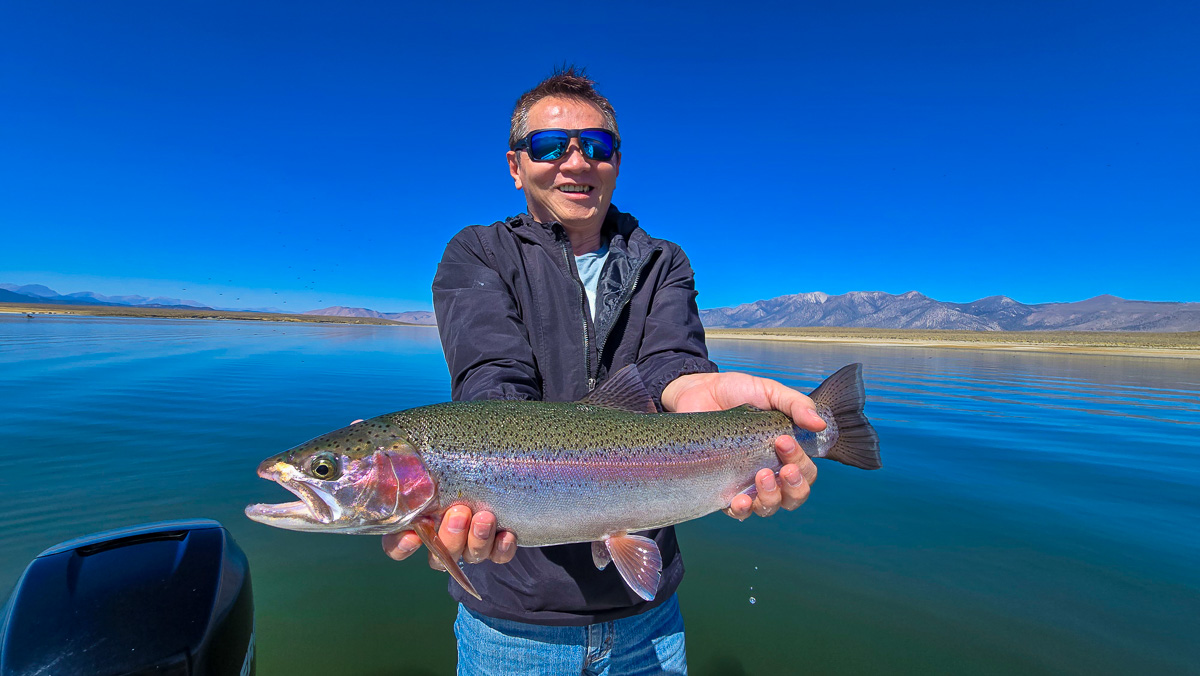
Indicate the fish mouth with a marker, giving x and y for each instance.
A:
(312, 508)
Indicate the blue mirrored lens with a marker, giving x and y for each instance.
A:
(548, 145)
(596, 145)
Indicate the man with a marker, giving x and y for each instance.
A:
(543, 306)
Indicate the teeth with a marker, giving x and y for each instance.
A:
(575, 188)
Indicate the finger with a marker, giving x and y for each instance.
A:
(801, 409)
(480, 537)
(788, 450)
(795, 488)
(453, 534)
(769, 495)
(804, 413)
(790, 453)
(400, 546)
(808, 469)
(740, 507)
(506, 547)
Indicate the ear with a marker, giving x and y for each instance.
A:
(616, 160)
(514, 168)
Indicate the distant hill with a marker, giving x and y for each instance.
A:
(418, 317)
(30, 290)
(84, 296)
(7, 296)
(36, 293)
(912, 310)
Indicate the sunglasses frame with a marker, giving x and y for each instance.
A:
(526, 143)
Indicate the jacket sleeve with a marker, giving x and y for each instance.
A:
(486, 344)
(673, 340)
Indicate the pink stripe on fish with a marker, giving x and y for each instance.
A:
(687, 462)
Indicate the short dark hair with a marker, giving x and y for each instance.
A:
(567, 82)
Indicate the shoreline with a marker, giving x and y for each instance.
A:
(1122, 344)
(124, 311)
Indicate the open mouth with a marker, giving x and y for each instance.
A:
(573, 189)
(311, 506)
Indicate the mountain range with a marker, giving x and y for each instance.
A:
(36, 293)
(912, 310)
(417, 317)
(868, 309)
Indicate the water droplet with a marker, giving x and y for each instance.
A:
(756, 568)
(753, 600)
(752, 589)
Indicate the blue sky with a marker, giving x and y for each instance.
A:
(306, 154)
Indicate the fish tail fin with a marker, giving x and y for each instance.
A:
(844, 396)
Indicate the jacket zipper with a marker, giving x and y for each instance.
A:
(637, 277)
(587, 353)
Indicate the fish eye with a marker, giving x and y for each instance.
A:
(324, 466)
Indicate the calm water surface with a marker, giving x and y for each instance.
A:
(1036, 513)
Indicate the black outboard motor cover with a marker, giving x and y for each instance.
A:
(169, 599)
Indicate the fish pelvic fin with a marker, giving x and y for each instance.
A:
(638, 561)
(427, 531)
(844, 396)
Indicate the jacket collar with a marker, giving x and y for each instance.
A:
(620, 229)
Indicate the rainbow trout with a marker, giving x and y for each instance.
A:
(594, 471)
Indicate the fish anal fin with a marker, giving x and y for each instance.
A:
(752, 491)
(623, 391)
(638, 560)
(427, 531)
(600, 555)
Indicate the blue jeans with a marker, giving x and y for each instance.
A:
(650, 643)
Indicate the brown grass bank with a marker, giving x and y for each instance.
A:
(1133, 343)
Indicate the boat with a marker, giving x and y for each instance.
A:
(172, 597)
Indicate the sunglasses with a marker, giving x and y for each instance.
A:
(548, 145)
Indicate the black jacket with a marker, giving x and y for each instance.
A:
(511, 313)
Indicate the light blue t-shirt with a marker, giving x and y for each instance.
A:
(590, 265)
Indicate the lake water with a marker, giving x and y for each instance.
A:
(1036, 513)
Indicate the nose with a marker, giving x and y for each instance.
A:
(574, 159)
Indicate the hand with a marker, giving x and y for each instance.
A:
(720, 391)
(473, 544)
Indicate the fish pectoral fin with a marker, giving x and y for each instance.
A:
(428, 533)
(638, 560)
(600, 555)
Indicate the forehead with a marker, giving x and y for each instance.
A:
(554, 112)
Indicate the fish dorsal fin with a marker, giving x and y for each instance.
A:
(623, 391)
(638, 561)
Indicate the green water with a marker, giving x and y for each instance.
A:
(1036, 513)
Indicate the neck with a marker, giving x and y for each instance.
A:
(584, 242)
(585, 237)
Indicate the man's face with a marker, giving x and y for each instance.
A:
(544, 182)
